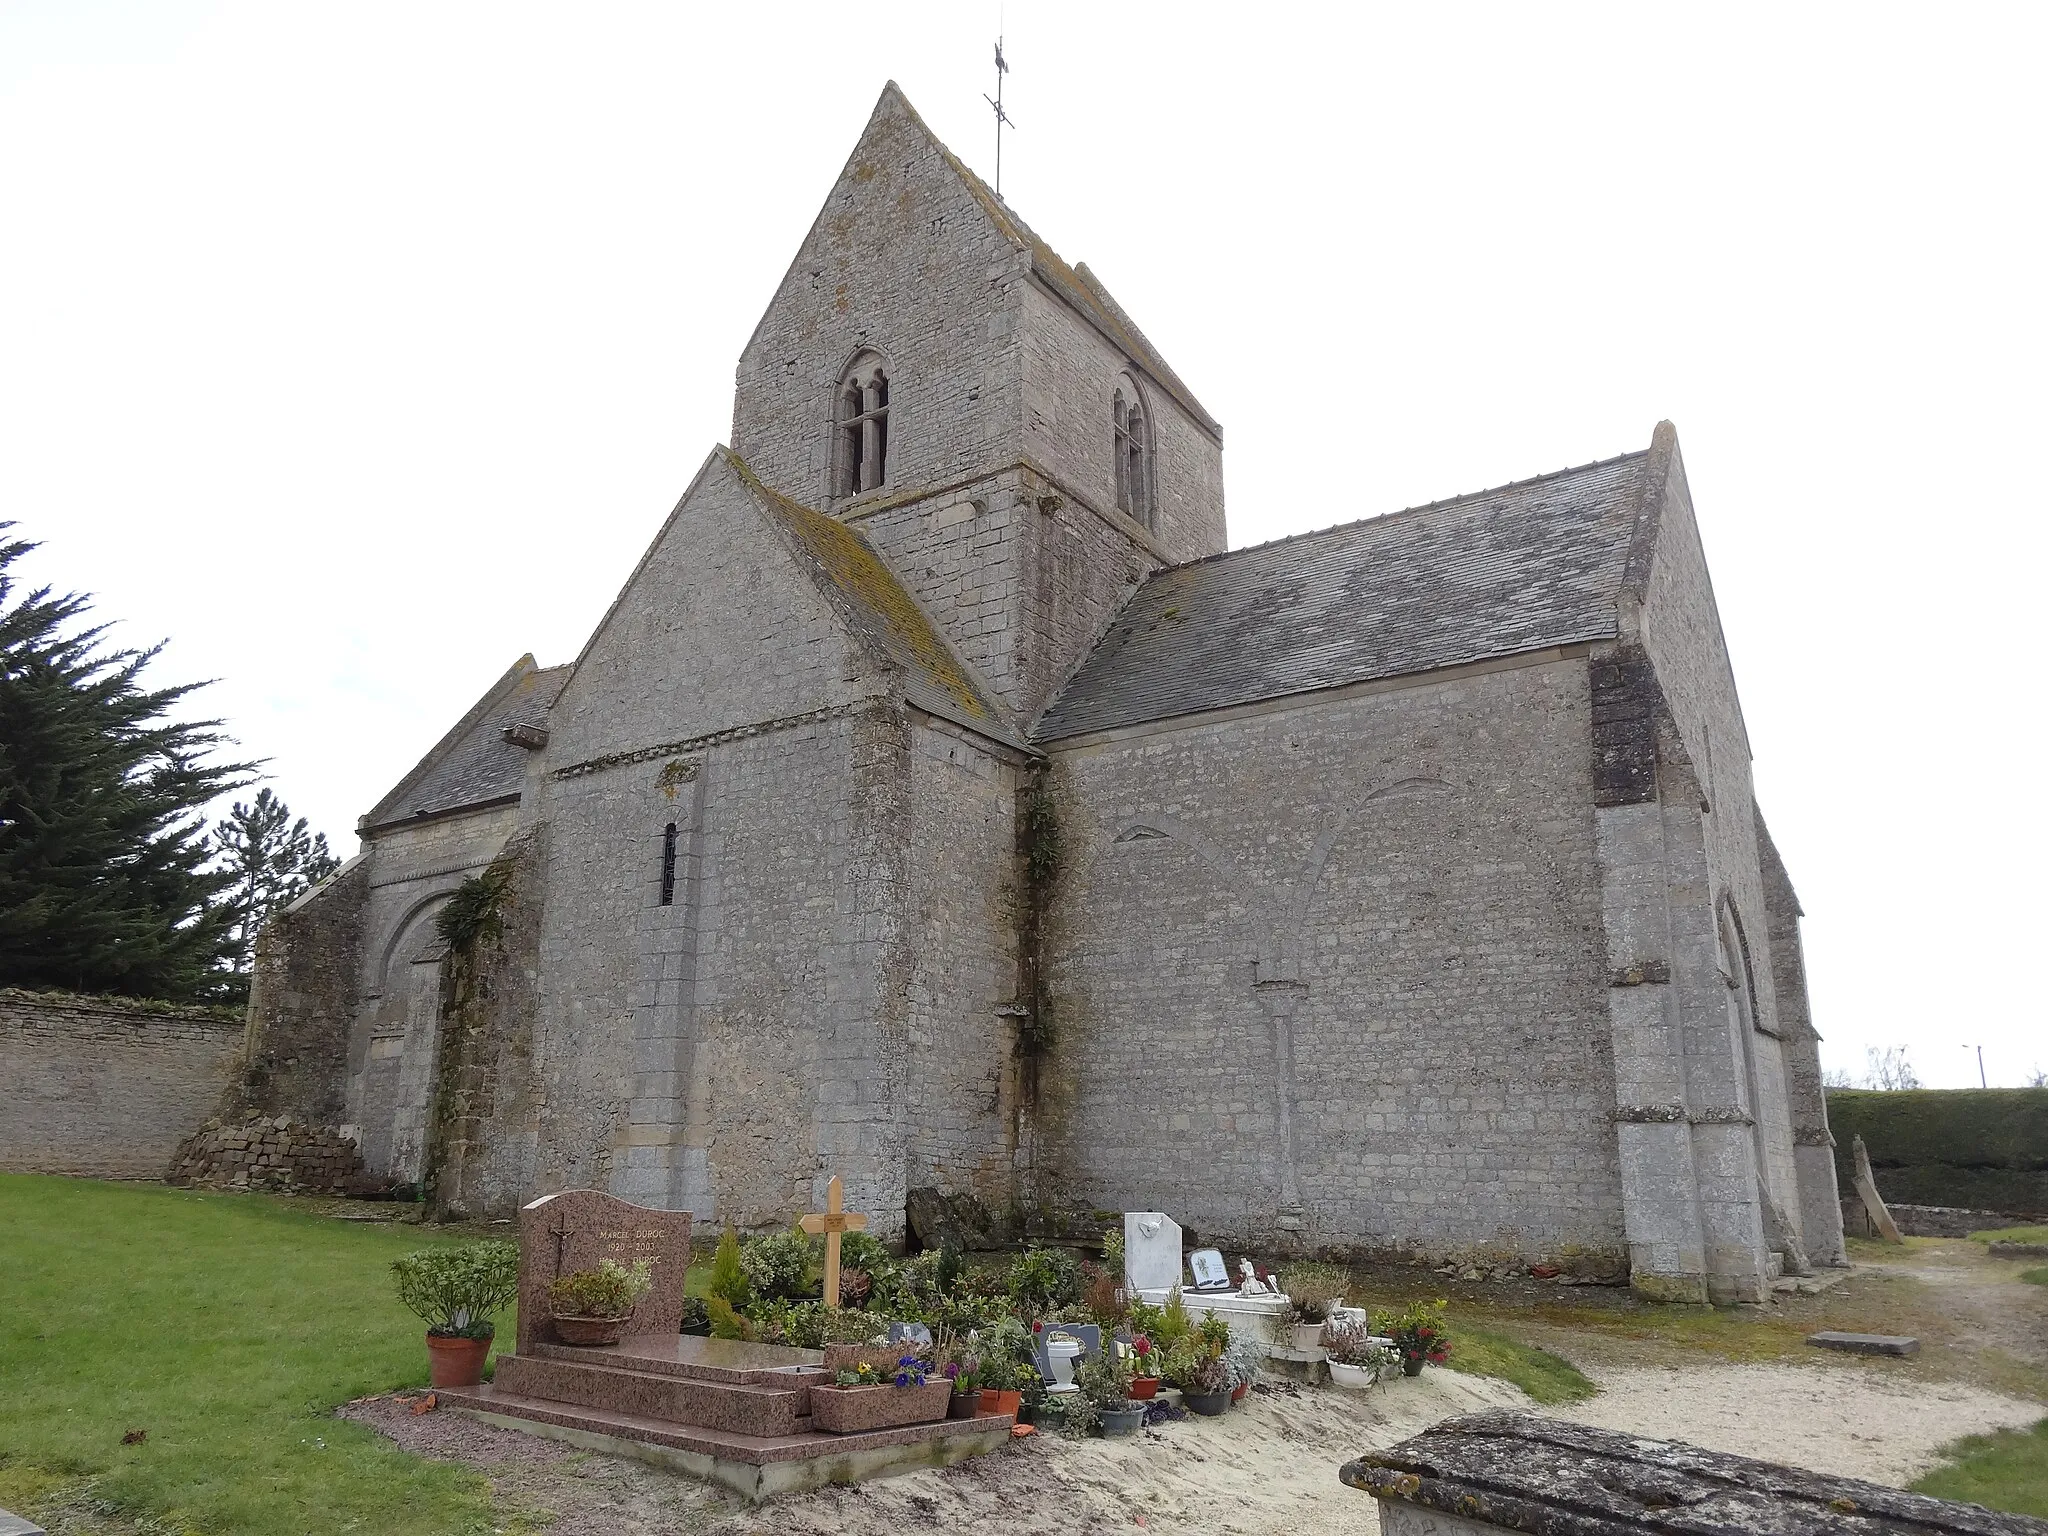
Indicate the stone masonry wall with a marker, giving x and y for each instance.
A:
(1333, 975)
(962, 1086)
(304, 988)
(100, 1090)
(1070, 374)
(272, 1152)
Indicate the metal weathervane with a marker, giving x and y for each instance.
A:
(1002, 117)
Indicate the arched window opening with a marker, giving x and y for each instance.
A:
(1133, 455)
(861, 451)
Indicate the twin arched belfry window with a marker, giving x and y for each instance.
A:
(860, 438)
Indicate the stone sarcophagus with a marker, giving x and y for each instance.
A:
(1517, 1472)
(578, 1228)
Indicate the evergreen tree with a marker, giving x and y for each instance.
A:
(271, 860)
(104, 877)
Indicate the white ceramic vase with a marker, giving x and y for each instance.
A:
(1356, 1377)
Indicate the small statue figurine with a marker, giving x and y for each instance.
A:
(1253, 1285)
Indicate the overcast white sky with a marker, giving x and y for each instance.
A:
(360, 348)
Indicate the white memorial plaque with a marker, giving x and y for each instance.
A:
(1211, 1273)
(1151, 1251)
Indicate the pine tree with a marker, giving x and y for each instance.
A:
(271, 860)
(104, 877)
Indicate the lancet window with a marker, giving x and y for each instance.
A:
(1133, 454)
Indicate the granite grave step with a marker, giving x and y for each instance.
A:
(683, 1354)
(757, 1466)
(744, 1407)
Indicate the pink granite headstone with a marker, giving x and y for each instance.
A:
(578, 1227)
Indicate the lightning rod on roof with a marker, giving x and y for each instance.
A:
(1002, 117)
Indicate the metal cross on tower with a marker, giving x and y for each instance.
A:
(1002, 117)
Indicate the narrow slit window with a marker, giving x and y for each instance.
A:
(668, 866)
(1133, 457)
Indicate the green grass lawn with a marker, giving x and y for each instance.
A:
(2011, 1235)
(228, 1327)
(2008, 1470)
(1547, 1378)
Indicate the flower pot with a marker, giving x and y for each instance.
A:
(1411, 1365)
(1144, 1388)
(854, 1410)
(1208, 1404)
(455, 1362)
(588, 1332)
(995, 1404)
(1357, 1377)
(1027, 1413)
(1237, 1392)
(1308, 1336)
(963, 1405)
(1120, 1423)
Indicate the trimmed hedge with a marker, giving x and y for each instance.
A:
(1984, 1149)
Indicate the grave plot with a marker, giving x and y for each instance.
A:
(733, 1413)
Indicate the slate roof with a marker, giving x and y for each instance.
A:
(1520, 568)
(474, 764)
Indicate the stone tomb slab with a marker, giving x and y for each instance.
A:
(1505, 1471)
(1866, 1343)
(576, 1229)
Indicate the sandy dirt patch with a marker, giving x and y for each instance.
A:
(1269, 1465)
(1848, 1419)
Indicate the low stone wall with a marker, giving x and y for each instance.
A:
(1928, 1220)
(102, 1088)
(269, 1152)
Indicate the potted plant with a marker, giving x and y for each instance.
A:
(1030, 1395)
(1000, 1393)
(965, 1375)
(454, 1290)
(1419, 1334)
(1358, 1359)
(878, 1397)
(1316, 1290)
(1205, 1385)
(592, 1306)
(1144, 1370)
(1242, 1357)
(1105, 1381)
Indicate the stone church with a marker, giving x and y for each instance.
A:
(943, 804)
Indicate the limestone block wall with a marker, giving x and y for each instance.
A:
(305, 986)
(961, 1089)
(102, 1090)
(1071, 373)
(1679, 629)
(1333, 974)
(902, 259)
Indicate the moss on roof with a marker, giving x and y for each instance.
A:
(891, 615)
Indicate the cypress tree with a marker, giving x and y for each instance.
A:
(104, 877)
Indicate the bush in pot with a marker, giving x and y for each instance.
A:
(1316, 1290)
(1419, 1333)
(1358, 1359)
(1105, 1382)
(454, 1290)
(592, 1306)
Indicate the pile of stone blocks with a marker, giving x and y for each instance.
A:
(266, 1152)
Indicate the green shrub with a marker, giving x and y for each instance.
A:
(1043, 1279)
(608, 1290)
(728, 1282)
(1978, 1148)
(778, 1266)
(454, 1290)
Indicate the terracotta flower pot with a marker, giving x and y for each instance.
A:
(995, 1404)
(586, 1332)
(456, 1362)
(852, 1410)
(1237, 1392)
(1144, 1388)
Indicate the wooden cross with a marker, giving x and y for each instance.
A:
(832, 1222)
